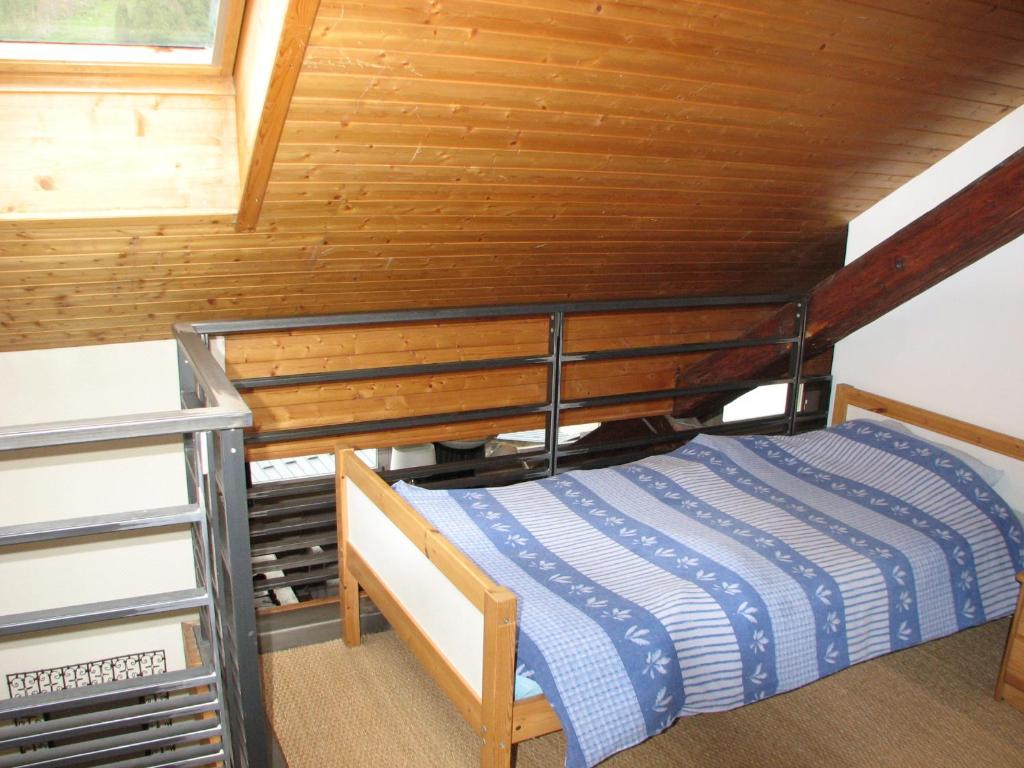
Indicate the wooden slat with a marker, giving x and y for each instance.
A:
(408, 396)
(337, 349)
(616, 377)
(173, 153)
(630, 330)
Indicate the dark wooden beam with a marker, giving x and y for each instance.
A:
(980, 218)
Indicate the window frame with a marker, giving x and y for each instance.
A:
(73, 58)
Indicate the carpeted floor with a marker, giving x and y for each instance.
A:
(930, 706)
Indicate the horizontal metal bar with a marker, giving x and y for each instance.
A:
(109, 428)
(294, 561)
(496, 479)
(190, 756)
(87, 526)
(390, 372)
(457, 313)
(227, 410)
(104, 693)
(109, 610)
(674, 349)
(401, 423)
(292, 506)
(116, 746)
(76, 726)
(209, 374)
(449, 467)
(292, 486)
(818, 378)
(292, 525)
(292, 490)
(292, 543)
(295, 580)
(762, 425)
(682, 436)
(661, 394)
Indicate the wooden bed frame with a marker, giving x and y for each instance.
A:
(459, 623)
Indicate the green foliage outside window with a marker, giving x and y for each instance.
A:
(180, 23)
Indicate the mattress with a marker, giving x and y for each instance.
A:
(732, 569)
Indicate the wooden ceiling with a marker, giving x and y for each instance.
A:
(465, 152)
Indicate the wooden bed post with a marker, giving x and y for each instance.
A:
(841, 404)
(498, 691)
(349, 603)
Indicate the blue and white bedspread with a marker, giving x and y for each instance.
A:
(732, 569)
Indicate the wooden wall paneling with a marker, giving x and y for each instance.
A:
(371, 400)
(631, 330)
(353, 348)
(719, 29)
(103, 151)
(602, 378)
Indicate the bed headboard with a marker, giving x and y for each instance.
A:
(996, 449)
(990, 440)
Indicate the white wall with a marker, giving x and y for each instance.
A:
(957, 348)
(42, 484)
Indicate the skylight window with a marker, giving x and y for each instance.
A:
(113, 31)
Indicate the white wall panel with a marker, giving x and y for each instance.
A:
(957, 348)
(46, 484)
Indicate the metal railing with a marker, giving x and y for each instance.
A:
(210, 713)
(215, 710)
(293, 521)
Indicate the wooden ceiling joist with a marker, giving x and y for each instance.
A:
(979, 219)
(291, 50)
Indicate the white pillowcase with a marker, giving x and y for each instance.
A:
(989, 474)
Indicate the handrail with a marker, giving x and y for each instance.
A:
(219, 327)
(227, 410)
(209, 374)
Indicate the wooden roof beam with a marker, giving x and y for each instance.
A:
(258, 140)
(982, 217)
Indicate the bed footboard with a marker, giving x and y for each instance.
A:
(459, 624)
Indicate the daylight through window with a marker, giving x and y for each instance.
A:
(101, 30)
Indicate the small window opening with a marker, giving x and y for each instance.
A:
(769, 400)
(112, 31)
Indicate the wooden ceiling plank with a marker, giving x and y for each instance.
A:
(728, 27)
(578, 82)
(616, 118)
(524, 140)
(379, 87)
(692, 58)
(344, 109)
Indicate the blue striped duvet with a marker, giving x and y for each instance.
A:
(732, 569)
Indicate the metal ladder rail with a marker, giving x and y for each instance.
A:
(91, 730)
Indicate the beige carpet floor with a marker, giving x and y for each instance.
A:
(930, 706)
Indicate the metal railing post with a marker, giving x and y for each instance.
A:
(797, 366)
(246, 687)
(555, 390)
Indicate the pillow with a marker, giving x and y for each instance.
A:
(990, 475)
